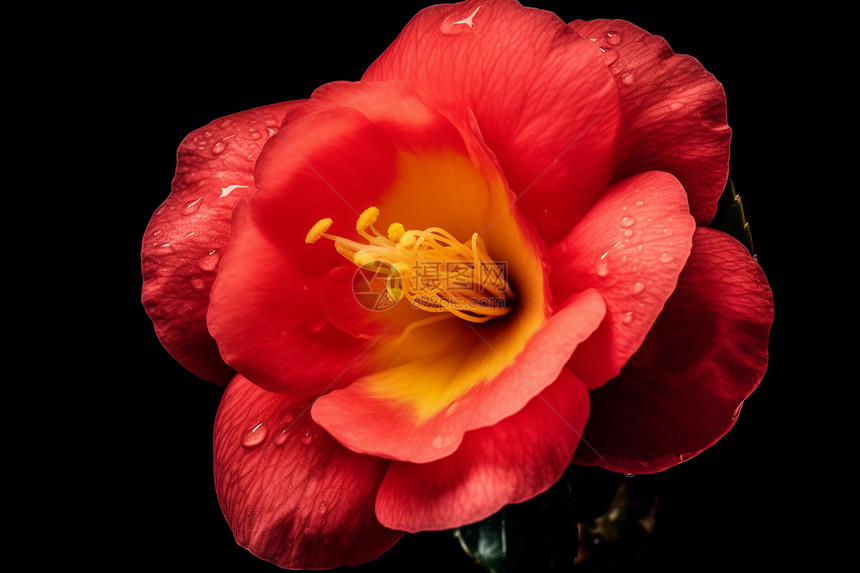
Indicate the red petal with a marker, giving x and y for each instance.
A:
(267, 320)
(509, 462)
(383, 413)
(291, 494)
(706, 353)
(188, 233)
(674, 112)
(541, 96)
(631, 247)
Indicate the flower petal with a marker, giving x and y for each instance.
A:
(268, 322)
(509, 462)
(706, 353)
(187, 235)
(291, 494)
(674, 112)
(542, 98)
(631, 247)
(419, 411)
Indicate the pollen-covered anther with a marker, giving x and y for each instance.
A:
(430, 268)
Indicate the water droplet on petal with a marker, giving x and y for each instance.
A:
(322, 507)
(665, 258)
(198, 284)
(640, 203)
(627, 317)
(613, 37)
(451, 409)
(628, 232)
(637, 287)
(219, 147)
(609, 55)
(256, 135)
(629, 475)
(255, 436)
(627, 79)
(281, 438)
(209, 262)
(602, 269)
(308, 438)
(192, 207)
(627, 221)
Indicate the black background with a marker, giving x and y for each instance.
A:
(121, 88)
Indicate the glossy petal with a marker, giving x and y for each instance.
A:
(418, 412)
(674, 112)
(707, 352)
(509, 462)
(291, 494)
(541, 97)
(188, 233)
(631, 247)
(268, 322)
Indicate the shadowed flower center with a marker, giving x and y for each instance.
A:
(431, 269)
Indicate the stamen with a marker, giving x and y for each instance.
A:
(437, 273)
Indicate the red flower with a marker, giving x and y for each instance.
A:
(536, 195)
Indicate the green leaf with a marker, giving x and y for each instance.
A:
(730, 217)
(486, 542)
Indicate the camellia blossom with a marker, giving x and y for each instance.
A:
(528, 200)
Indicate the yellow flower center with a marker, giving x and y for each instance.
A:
(430, 268)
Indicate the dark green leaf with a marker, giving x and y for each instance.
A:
(730, 217)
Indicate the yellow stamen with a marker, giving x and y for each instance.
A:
(430, 268)
(318, 230)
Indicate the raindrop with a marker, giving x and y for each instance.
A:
(281, 438)
(638, 287)
(308, 438)
(219, 147)
(613, 37)
(192, 207)
(640, 203)
(272, 131)
(210, 261)
(627, 221)
(627, 317)
(602, 269)
(451, 409)
(610, 55)
(665, 258)
(255, 135)
(255, 436)
(628, 232)
(629, 475)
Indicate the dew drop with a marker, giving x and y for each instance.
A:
(192, 207)
(451, 409)
(272, 131)
(627, 317)
(613, 37)
(281, 438)
(255, 436)
(609, 55)
(627, 221)
(210, 261)
(640, 203)
(637, 287)
(627, 79)
(628, 232)
(665, 258)
(198, 284)
(629, 475)
(308, 438)
(219, 147)
(602, 269)
(255, 135)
